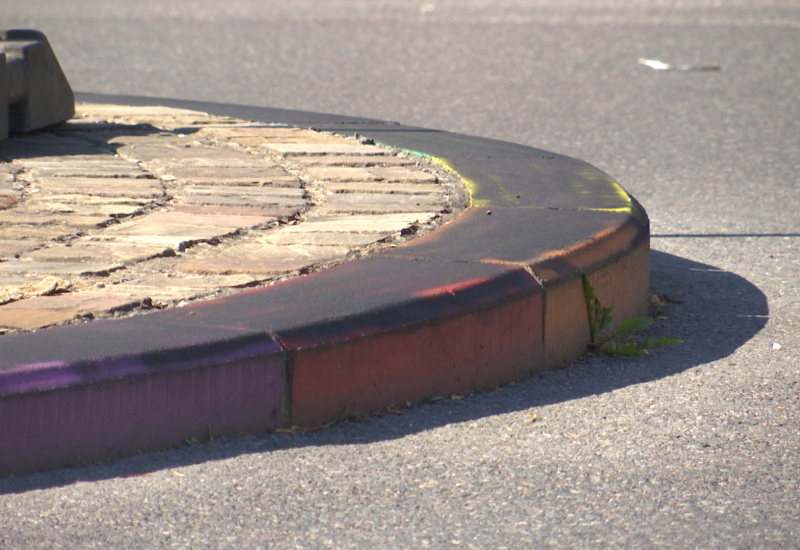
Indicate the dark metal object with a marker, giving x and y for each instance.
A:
(34, 93)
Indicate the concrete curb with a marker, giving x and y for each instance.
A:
(493, 296)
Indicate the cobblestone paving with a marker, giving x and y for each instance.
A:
(124, 210)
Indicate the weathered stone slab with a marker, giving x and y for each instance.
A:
(6, 175)
(262, 258)
(79, 267)
(79, 199)
(170, 148)
(257, 135)
(324, 238)
(235, 175)
(383, 187)
(343, 223)
(102, 187)
(250, 192)
(245, 196)
(8, 199)
(22, 217)
(10, 248)
(99, 251)
(295, 149)
(42, 311)
(41, 233)
(137, 113)
(262, 201)
(401, 174)
(378, 203)
(94, 166)
(79, 208)
(353, 160)
(188, 232)
(275, 212)
(340, 173)
(162, 288)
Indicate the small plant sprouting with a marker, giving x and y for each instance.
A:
(610, 341)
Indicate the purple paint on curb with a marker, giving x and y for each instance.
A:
(103, 420)
(111, 349)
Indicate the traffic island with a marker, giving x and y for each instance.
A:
(491, 295)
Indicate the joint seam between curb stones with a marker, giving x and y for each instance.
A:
(288, 377)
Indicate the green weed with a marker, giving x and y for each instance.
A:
(618, 341)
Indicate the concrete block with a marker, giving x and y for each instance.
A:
(34, 93)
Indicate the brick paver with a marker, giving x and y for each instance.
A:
(126, 209)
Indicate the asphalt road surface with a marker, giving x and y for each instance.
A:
(698, 446)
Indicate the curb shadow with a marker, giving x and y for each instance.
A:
(714, 311)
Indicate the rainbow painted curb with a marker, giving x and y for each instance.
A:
(493, 296)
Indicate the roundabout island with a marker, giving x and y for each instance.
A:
(231, 269)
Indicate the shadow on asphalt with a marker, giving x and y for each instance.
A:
(714, 312)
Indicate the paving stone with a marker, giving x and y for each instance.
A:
(263, 201)
(203, 220)
(249, 192)
(353, 160)
(261, 197)
(256, 135)
(383, 187)
(244, 176)
(376, 203)
(343, 223)
(42, 311)
(198, 155)
(377, 173)
(84, 166)
(6, 175)
(102, 187)
(98, 251)
(187, 232)
(172, 121)
(82, 208)
(32, 319)
(162, 288)
(294, 149)
(324, 238)
(275, 212)
(42, 233)
(8, 199)
(78, 199)
(10, 248)
(340, 173)
(262, 258)
(21, 217)
(401, 174)
(79, 268)
(169, 149)
(176, 242)
(97, 111)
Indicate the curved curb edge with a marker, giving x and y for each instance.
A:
(491, 297)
